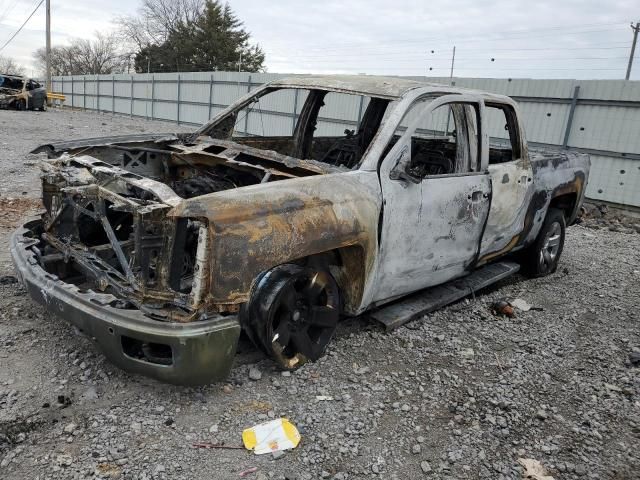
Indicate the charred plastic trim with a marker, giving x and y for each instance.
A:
(195, 353)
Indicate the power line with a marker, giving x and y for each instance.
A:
(424, 54)
(448, 36)
(422, 57)
(21, 26)
(8, 9)
(505, 35)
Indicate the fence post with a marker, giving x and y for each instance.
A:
(113, 94)
(210, 96)
(572, 110)
(178, 103)
(84, 92)
(131, 103)
(294, 118)
(62, 92)
(153, 93)
(246, 117)
(72, 95)
(98, 91)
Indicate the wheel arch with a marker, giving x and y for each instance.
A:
(348, 267)
(566, 202)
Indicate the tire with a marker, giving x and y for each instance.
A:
(293, 313)
(541, 258)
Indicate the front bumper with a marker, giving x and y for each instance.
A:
(200, 352)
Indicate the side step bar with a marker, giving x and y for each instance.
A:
(425, 301)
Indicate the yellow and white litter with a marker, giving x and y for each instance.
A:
(271, 436)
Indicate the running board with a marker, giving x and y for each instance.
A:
(425, 301)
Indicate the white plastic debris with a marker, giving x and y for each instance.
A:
(520, 304)
(269, 437)
(533, 470)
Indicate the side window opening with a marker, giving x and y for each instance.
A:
(340, 142)
(444, 142)
(504, 141)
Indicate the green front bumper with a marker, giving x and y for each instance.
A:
(192, 353)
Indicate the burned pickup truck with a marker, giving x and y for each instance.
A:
(21, 93)
(164, 248)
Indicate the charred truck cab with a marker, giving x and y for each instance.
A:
(163, 248)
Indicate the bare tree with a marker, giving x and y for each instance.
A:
(9, 66)
(85, 57)
(156, 20)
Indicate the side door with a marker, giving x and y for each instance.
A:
(436, 195)
(511, 178)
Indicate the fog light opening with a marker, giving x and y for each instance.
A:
(156, 353)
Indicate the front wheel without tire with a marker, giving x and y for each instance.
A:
(542, 257)
(293, 313)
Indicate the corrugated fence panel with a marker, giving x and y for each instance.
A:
(614, 180)
(605, 124)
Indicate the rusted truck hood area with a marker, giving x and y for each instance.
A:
(120, 215)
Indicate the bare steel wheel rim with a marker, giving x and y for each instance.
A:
(304, 318)
(550, 245)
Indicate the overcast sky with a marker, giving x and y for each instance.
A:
(543, 39)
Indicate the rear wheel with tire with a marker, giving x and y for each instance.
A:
(293, 313)
(542, 257)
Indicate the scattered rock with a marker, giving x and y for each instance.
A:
(64, 460)
(70, 428)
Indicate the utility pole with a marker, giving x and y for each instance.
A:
(633, 48)
(48, 46)
(453, 59)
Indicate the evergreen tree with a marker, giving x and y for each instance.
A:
(216, 40)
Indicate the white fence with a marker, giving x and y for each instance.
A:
(598, 117)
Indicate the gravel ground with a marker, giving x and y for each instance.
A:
(459, 394)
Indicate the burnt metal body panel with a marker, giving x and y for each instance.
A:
(59, 147)
(256, 228)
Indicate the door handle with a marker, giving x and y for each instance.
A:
(477, 196)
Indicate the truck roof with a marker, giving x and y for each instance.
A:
(371, 85)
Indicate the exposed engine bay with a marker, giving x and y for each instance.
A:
(108, 223)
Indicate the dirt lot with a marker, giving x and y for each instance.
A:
(459, 394)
